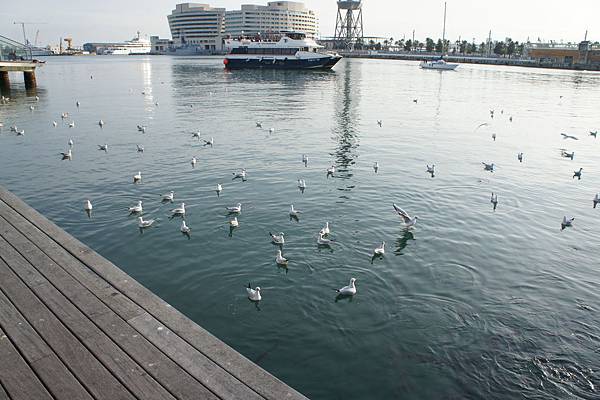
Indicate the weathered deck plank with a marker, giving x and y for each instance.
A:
(156, 363)
(19, 380)
(215, 350)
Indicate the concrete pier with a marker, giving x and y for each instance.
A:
(4, 81)
(26, 66)
(29, 77)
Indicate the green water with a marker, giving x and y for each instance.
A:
(471, 303)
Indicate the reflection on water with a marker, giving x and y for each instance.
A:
(471, 303)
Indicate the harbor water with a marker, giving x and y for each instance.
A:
(470, 303)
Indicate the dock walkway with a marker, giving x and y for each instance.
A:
(74, 326)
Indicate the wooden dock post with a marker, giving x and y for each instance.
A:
(30, 82)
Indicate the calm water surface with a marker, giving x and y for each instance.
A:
(471, 304)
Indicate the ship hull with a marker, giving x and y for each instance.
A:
(323, 63)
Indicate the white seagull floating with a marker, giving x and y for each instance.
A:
(186, 230)
(144, 223)
(103, 147)
(88, 206)
(305, 159)
(577, 174)
(349, 290)
(301, 184)
(71, 143)
(294, 213)
(408, 220)
(241, 174)
(196, 135)
(68, 155)
(325, 230)
(137, 209)
(277, 239)
(137, 178)
(431, 169)
(253, 294)
(140, 148)
(219, 189)
(271, 130)
(566, 154)
(376, 166)
(331, 170)
(209, 142)
(54, 124)
(321, 241)
(380, 123)
(179, 211)
(280, 260)
(193, 162)
(168, 196)
(596, 199)
(72, 124)
(494, 200)
(259, 124)
(234, 223)
(101, 123)
(489, 167)
(566, 222)
(380, 250)
(237, 209)
(520, 157)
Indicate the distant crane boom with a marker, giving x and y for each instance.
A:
(25, 41)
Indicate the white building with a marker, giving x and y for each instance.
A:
(275, 17)
(197, 25)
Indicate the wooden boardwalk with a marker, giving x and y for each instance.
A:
(74, 326)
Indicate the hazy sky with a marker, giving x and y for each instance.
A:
(114, 20)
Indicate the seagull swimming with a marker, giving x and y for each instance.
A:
(277, 239)
(271, 130)
(294, 213)
(141, 128)
(137, 178)
(196, 135)
(71, 143)
(280, 260)
(566, 222)
(566, 154)
(380, 123)
(408, 220)
(168, 196)
(186, 230)
(259, 124)
(325, 230)
(253, 294)
(237, 209)
(565, 136)
(331, 171)
(77, 103)
(520, 157)
(301, 185)
(494, 136)
(234, 222)
(489, 167)
(494, 200)
(64, 115)
(577, 174)
(596, 199)
(379, 250)
(140, 148)
(376, 166)
(305, 159)
(145, 223)
(103, 147)
(349, 290)
(54, 124)
(193, 162)
(31, 108)
(72, 124)
(101, 123)
(137, 209)
(68, 155)
(209, 142)
(594, 134)
(88, 207)
(179, 211)
(219, 189)
(321, 241)
(21, 132)
(431, 169)
(241, 174)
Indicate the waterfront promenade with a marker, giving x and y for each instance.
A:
(75, 326)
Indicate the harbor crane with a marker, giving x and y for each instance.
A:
(25, 41)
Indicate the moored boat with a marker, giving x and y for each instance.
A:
(439, 65)
(293, 51)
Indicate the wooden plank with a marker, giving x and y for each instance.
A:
(243, 369)
(84, 365)
(152, 359)
(59, 381)
(19, 380)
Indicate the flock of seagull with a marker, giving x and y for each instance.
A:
(323, 237)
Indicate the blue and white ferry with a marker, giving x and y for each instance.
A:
(293, 51)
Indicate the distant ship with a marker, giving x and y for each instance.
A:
(293, 51)
(134, 46)
(439, 65)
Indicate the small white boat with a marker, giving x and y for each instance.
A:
(439, 65)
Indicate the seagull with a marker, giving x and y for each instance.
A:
(259, 124)
(31, 108)
(294, 213)
(193, 162)
(137, 209)
(64, 115)
(577, 174)
(37, 98)
(494, 136)
(565, 136)
(376, 166)
(280, 260)
(137, 178)
(596, 199)
(594, 134)
(186, 230)
(566, 154)
(234, 223)
(103, 147)
(71, 143)
(88, 207)
(253, 294)
(140, 148)
(219, 189)
(277, 239)
(68, 155)
(271, 130)
(494, 200)
(13, 128)
(492, 113)
(77, 104)
(415, 101)
(301, 185)
(325, 230)
(179, 211)
(168, 196)
(54, 124)
(321, 241)
(101, 123)
(209, 142)
(520, 157)
(241, 174)
(431, 169)
(349, 290)
(481, 125)
(408, 220)
(145, 223)
(380, 123)
(510, 118)
(331, 171)
(196, 135)
(489, 167)
(141, 128)
(21, 132)
(72, 124)
(566, 222)
(380, 250)
(305, 159)
(237, 209)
